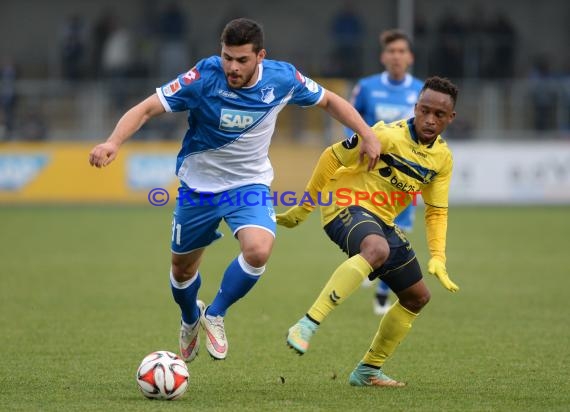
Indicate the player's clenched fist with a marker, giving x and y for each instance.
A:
(103, 154)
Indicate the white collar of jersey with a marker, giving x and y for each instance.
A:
(259, 76)
(406, 83)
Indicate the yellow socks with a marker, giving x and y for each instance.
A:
(344, 281)
(393, 329)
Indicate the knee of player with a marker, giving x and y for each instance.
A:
(375, 250)
(416, 302)
(257, 255)
(182, 272)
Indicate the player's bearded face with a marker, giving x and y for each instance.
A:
(433, 113)
(240, 64)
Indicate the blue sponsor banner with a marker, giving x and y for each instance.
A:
(146, 171)
(16, 171)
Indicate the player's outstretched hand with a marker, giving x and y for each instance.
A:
(437, 268)
(103, 154)
(293, 216)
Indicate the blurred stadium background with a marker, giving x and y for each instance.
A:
(80, 64)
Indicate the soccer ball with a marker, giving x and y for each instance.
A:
(162, 375)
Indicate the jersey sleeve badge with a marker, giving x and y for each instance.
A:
(350, 142)
(190, 76)
(171, 88)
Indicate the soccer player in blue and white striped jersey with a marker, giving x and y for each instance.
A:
(232, 102)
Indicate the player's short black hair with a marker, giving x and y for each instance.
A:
(243, 31)
(389, 36)
(442, 85)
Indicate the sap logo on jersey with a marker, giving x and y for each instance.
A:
(238, 120)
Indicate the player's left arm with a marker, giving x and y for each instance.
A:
(341, 110)
(435, 197)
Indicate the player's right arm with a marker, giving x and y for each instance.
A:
(345, 113)
(358, 102)
(128, 125)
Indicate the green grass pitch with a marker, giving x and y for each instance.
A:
(84, 296)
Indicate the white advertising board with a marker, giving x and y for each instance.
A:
(510, 173)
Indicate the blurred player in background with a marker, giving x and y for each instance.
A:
(232, 103)
(414, 157)
(389, 96)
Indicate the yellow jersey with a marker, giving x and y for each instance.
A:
(406, 169)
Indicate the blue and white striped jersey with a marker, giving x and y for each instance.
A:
(229, 130)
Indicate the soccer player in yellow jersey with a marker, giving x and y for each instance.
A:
(359, 216)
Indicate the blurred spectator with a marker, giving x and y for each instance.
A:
(73, 48)
(543, 94)
(33, 126)
(347, 33)
(476, 43)
(421, 40)
(104, 26)
(173, 51)
(7, 98)
(566, 97)
(148, 43)
(503, 46)
(117, 61)
(449, 49)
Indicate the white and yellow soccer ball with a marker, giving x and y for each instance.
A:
(162, 375)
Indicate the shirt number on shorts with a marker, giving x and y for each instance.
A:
(176, 231)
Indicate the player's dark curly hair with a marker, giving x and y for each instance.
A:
(442, 85)
(243, 31)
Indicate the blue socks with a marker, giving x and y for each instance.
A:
(238, 279)
(185, 294)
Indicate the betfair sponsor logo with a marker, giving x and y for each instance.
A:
(404, 187)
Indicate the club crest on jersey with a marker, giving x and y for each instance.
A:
(267, 95)
(238, 120)
(171, 88)
(190, 76)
